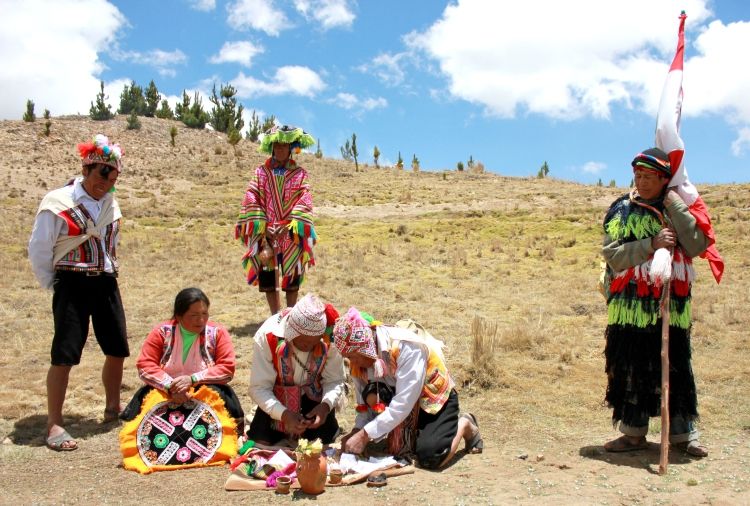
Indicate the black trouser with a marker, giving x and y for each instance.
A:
(261, 428)
(435, 433)
(78, 298)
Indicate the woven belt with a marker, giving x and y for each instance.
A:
(92, 274)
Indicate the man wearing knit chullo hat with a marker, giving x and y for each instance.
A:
(649, 218)
(296, 377)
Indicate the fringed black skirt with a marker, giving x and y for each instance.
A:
(633, 366)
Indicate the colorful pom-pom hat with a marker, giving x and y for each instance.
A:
(101, 151)
(285, 134)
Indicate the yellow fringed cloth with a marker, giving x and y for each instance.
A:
(167, 436)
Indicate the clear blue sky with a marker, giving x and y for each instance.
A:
(513, 84)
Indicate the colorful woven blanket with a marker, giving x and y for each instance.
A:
(166, 436)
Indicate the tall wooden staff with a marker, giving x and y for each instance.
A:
(665, 310)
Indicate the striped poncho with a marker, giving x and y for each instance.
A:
(277, 197)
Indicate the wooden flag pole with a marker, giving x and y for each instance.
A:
(664, 446)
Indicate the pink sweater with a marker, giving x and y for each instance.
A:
(210, 359)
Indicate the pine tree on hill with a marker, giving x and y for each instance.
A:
(319, 152)
(355, 153)
(29, 115)
(180, 109)
(226, 113)
(253, 131)
(133, 123)
(132, 99)
(268, 123)
(233, 137)
(165, 112)
(101, 111)
(47, 122)
(152, 100)
(193, 116)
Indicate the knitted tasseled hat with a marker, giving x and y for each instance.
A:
(653, 159)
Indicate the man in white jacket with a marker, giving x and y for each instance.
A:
(297, 377)
(73, 252)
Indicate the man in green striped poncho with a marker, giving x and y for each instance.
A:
(637, 225)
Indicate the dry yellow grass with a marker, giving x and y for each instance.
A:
(516, 256)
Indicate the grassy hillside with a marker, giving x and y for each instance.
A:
(513, 260)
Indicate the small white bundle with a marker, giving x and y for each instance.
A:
(661, 267)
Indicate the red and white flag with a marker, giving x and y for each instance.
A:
(668, 140)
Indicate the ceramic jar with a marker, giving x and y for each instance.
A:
(311, 473)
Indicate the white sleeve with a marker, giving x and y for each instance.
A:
(263, 378)
(47, 228)
(333, 378)
(411, 368)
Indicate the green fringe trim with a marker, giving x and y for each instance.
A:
(247, 229)
(298, 228)
(639, 226)
(304, 139)
(641, 314)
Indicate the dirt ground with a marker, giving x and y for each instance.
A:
(514, 468)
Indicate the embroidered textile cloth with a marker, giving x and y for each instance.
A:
(285, 389)
(166, 436)
(80, 249)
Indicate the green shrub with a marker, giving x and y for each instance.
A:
(226, 114)
(47, 122)
(29, 115)
(152, 100)
(101, 111)
(133, 122)
(165, 112)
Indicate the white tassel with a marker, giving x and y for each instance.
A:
(661, 267)
(679, 271)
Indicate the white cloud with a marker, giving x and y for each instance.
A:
(56, 66)
(742, 142)
(349, 101)
(389, 68)
(560, 59)
(241, 52)
(301, 80)
(202, 5)
(293, 80)
(257, 15)
(593, 167)
(718, 79)
(330, 13)
(162, 61)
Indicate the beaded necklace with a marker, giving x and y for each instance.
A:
(310, 373)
